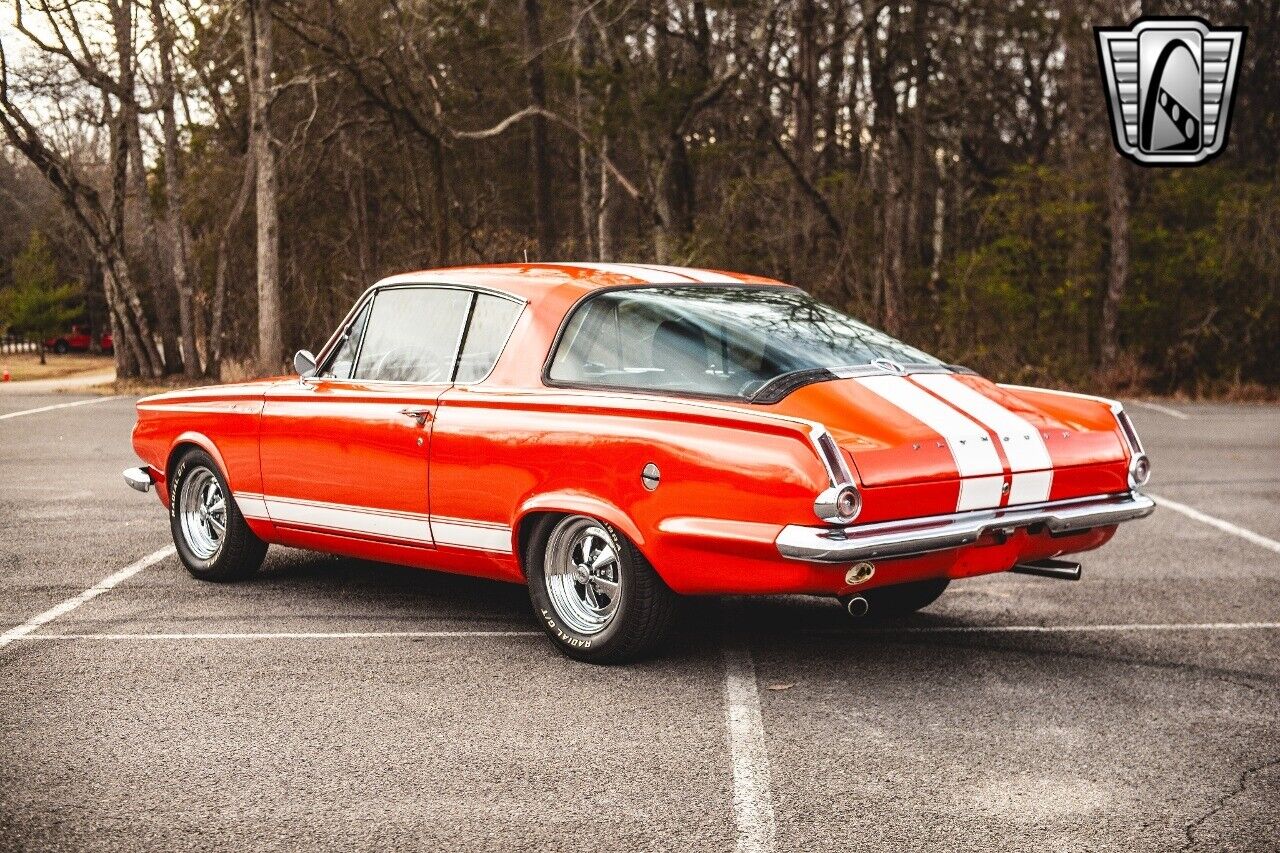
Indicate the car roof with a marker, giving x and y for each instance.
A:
(534, 280)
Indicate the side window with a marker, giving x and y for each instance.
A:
(491, 322)
(413, 335)
(344, 356)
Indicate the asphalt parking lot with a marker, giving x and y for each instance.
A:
(333, 703)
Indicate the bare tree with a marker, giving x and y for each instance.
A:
(63, 37)
(539, 157)
(259, 64)
(176, 236)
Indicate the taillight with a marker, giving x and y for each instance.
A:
(838, 504)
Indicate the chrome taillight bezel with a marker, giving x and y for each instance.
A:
(838, 504)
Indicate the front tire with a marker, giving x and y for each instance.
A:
(594, 593)
(61, 347)
(212, 538)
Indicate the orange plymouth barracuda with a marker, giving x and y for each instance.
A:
(617, 436)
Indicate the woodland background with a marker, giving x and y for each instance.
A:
(220, 180)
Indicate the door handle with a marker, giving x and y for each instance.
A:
(419, 415)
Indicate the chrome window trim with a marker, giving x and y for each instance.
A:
(371, 293)
(581, 302)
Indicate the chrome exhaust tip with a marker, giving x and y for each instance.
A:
(1063, 570)
(857, 606)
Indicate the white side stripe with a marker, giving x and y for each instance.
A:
(969, 443)
(465, 533)
(645, 274)
(410, 527)
(252, 506)
(418, 528)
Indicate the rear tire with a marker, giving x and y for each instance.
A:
(61, 347)
(903, 599)
(212, 538)
(594, 593)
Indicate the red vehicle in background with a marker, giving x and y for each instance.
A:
(79, 339)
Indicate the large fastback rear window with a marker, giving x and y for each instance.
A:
(717, 341)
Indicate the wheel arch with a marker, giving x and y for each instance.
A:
(199, 441)
(567, 503)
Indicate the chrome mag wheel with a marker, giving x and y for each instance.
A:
(582, 574)
(202, 511)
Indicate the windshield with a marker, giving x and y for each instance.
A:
(713, 341)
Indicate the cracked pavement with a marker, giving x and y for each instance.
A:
(1125, 740)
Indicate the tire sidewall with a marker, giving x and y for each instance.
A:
(191, 462)
(578, 645)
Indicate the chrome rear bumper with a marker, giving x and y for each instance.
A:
(913, 536)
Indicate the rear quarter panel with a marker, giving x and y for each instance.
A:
(729, 482)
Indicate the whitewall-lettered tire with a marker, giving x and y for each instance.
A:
(212, 538)
(594, 593)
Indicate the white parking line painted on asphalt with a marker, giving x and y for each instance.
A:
(743, 674)
(1164, 410)
(1049, 629)
(752, 799)
(1224, 526)
(6, 417)
(89, 594)
(284, 635)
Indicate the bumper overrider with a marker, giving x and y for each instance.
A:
(915, 536)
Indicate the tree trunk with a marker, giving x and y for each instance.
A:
(539, 159)
(259, 62)
(1117, 276)
(912, 218)
(604, 226)
(939, 226)
(583, 59)
(804, 111)
(214, 345)
(176, 234)
(131, 138)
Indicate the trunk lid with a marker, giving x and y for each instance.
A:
(933, 427)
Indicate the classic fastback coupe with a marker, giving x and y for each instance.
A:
(618, 435)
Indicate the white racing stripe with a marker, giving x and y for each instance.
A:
(22, 631)
(6, 417)
(970, 446)
(1022, 443)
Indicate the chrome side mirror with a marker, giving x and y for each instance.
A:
(305, 363)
